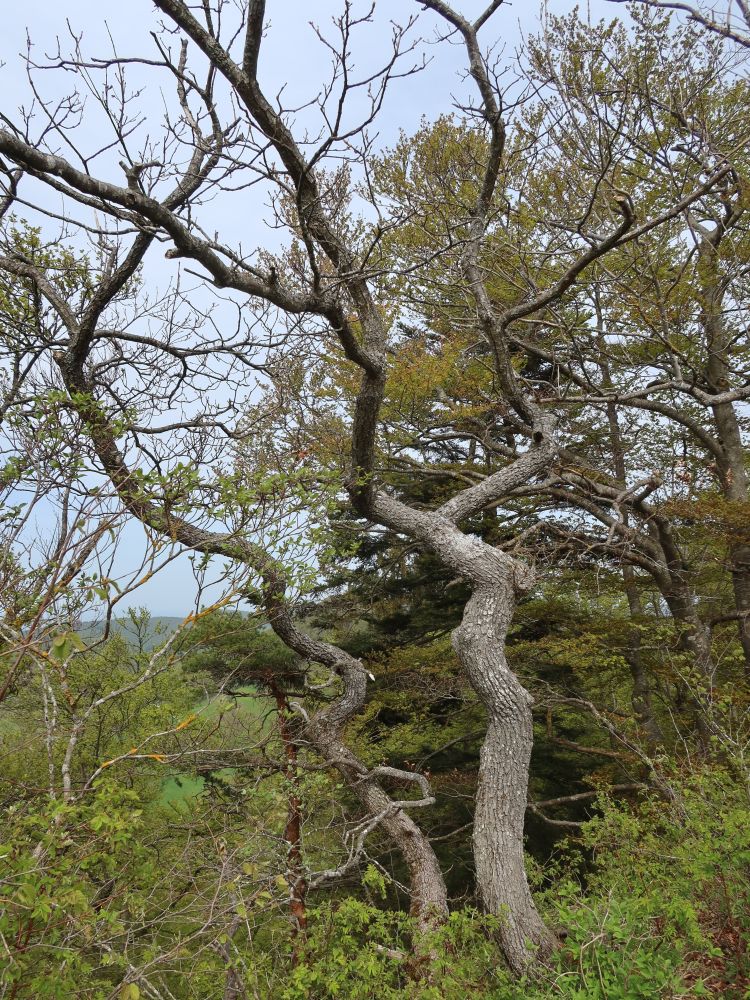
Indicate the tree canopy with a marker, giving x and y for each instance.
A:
(458, 459)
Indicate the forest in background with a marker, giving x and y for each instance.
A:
(461, 708)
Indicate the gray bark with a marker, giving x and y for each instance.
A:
(502, 788)
(479, 642)
(428, 894)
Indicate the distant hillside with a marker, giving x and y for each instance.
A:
(153, 633)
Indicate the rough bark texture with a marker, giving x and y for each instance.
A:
(355, 315)
(324, 731)
(428, 895)
(502, 788)
(479, 642)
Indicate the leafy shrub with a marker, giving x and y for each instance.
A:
(661, 911)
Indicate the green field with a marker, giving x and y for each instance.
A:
(250, 710)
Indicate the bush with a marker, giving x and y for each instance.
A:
(661, 909)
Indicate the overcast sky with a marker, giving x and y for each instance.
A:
(292, 58)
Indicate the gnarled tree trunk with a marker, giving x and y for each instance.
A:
(429, 898)
(502, 789)
(479, 642)
(324, 731)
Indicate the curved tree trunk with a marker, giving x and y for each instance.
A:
(325, 730)
(502, 789)
(429, 897)
(479, 641)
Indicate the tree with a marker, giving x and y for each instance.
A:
(640, 313)
(329, 301)
(732, 23)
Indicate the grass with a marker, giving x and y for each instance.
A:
(244, 710)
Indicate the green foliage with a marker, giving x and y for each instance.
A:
(663, 909)
(660, 911)
(59, 864)
(228, 645)
(355, 950)
(64, 645)
(106, 872)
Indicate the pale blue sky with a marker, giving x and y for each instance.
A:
(293, 59)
